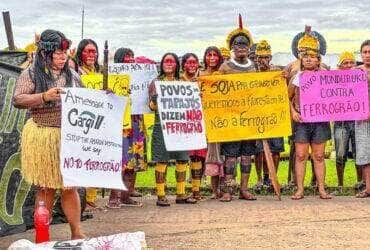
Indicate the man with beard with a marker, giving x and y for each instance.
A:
(239, 41)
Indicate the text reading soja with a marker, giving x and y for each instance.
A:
(225, 86)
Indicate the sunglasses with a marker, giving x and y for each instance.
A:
(240, 45)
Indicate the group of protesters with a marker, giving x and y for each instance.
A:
(39, 87)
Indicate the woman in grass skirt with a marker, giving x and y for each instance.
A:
(38, 89)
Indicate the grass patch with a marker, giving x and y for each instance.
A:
(147, 179)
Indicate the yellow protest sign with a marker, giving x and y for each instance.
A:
(245, 106)
(119, 84)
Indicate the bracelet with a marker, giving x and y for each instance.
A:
(43, 97)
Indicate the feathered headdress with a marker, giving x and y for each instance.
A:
(263, 48)
(309, 42)
(240, 31)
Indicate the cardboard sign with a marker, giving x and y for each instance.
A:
(245, 106)
(141, 75)
(180, 111)
(335, 95)
(119, 84)
(91, 138)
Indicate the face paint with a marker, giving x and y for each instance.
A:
(89, 55)
(212, 59)
(191, 65)
(240, 47)
(240, 42)
(128, 58)
(169, 64)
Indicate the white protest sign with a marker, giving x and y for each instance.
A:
(141, 76)
(91, 138)
(181, 115)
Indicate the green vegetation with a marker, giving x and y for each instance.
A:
(147, 179)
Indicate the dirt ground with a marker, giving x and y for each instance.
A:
(343, 222)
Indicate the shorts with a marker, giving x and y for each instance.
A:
(362, 143)
(276, 145)
(344, 134)
(238, 148)
(316, 132)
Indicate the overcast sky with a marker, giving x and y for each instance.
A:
(153, 27)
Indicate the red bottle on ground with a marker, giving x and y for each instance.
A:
(41, 222)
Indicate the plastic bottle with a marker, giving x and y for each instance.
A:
(41, 222)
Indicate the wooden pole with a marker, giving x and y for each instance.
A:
(8, 30)
(272, 169)
(291, 162)
(82, 22)
(105, 80)
(105, 66)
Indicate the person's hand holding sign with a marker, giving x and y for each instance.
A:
(52, 94)
(108, 91)
(296, 116)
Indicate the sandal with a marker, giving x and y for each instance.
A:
(198, 197)
(112, 205)
(163, 202)
(325, 196)
(186, 200)
(245, 195)
(297, 197)
(226, 197)
(131, 203)
(363, 194)
(216, 196)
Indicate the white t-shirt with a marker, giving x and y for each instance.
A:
(295, 80)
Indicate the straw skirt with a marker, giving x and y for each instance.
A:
(40, 146)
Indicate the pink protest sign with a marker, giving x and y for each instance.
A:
(334, 95)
